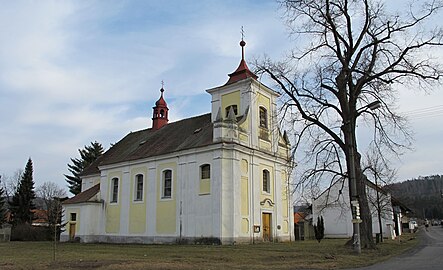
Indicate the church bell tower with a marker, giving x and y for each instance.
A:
(160, 114)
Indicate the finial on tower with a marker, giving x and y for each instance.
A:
(163, 85)
(242, 43)
(242, 72)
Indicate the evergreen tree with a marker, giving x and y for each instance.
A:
(87, 155)
(22, 204)
(319, 229)
(2, 203)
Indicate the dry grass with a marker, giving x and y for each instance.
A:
(329, 254)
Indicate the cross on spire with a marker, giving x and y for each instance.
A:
(242, 43)
(242, 32)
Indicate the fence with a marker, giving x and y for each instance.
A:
(5, 233)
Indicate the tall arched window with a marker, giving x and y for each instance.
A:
(263, 114)
(167, 184)
(138, 187)
(266, 181)
(114, 190)
(205, 171)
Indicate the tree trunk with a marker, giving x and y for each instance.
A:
(366, 239)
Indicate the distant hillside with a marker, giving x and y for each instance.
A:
(422, 195)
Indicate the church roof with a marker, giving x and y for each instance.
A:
(161, 101)
(84, 196)
(242, 72)
(176, 136)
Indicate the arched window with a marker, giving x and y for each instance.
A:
(205, 171)
(227, 109)
(138, 187)
(167, 184)
(263, 114)
(114, 190)
(266, 181)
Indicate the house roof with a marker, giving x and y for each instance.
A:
(40, 216)
(84, 196)
(176, 136)
(299, 217)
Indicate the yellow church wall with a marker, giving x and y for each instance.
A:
(282, 151)
(243, 137)
(232, 98)
(205, 186)
(113, 209)
(265, 145)
(137, 209)
(166, 208)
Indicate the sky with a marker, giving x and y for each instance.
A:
(73, 72)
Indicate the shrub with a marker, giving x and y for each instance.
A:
(26, 232)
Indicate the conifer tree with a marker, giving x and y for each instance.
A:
(87, 155)
(22, 203)
(319, 229)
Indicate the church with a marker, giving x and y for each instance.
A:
(220, 177)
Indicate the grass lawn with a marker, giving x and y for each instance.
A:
(329, 254)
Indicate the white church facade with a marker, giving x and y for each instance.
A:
(221, 177)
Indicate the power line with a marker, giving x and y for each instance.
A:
(427, 112)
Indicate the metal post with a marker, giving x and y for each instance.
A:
(378, 206)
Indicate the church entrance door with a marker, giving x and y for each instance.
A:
(71, 231)
(266, 224)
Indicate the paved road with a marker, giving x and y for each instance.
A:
(428, 254)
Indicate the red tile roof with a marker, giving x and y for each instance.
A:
(84, 196)
(241, 73)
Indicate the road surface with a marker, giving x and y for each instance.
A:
(427, 255)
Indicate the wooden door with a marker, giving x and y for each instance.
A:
(71, 231)
(266, 224)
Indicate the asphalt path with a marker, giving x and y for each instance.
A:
(427, 255)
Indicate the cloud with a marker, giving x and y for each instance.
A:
(72, 72)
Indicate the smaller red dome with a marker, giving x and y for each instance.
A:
(161, 102)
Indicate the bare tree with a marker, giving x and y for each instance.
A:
(379, 171)
(51, 194)
(352, 56)
(10, 183)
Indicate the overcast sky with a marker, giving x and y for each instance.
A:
(72, 72)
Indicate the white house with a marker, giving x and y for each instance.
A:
(220, 177)
(334, 205)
